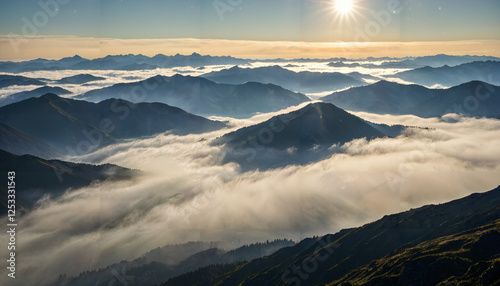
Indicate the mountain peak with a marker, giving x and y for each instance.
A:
(50, 96)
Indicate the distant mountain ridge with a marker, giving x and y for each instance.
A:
(202, 96)
(305, 82)
(20, 96)
(9, 80)
(119, 62)
(486, 71)
(476, 98)
(78, 126)
(79, 79)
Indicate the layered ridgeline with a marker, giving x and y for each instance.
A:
(9, 80)
(411, 62)
(299, 137)
(36, 177)
(119, 62)
(456, 241)
(476, 98)
(306, 82)
(77, 127)
(202, 96)
(487, 71)
(20, 96)
(169, 261)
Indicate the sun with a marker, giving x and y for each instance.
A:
(343, 6)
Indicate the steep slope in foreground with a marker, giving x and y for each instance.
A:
(468, 258)
(36, 177)
(330, 258)
(70, 125)
(202, 96)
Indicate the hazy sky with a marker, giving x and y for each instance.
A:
(256, 20)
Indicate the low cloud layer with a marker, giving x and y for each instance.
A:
(187, 195)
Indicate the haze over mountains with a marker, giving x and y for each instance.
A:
(202, 96)
(477, 99)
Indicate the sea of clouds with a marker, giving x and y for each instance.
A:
(187, 193)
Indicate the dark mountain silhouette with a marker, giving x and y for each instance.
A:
(486, 71)
(119, 62)
(382, 97)
(306, 82)
(36, 177)
(315, 124)
(20, 143)
(422, 246)
(299, 137)
(477, 99)
(8, 80)
(20, 96)
(202, 96)
(147, 270)
(79, 79)
(74, 125)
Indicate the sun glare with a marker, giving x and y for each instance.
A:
(343, 6)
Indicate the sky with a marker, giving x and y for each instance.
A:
(309, 22)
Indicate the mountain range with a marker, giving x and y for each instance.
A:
(455, 242)
(305, 82)
(410, 62)
(202, 96)
(486, 71)
(119, 62)
(77, 127)
(36, 177)
(20, 96)
(477, 99)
